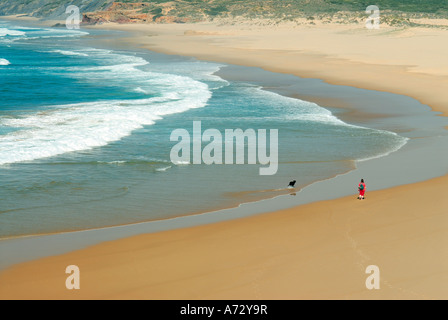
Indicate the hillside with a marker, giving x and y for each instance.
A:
(49, 9)
(162, 11)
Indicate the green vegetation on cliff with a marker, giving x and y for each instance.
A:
(49, 9)
(196, 10)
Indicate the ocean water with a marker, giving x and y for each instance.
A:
(85, 134)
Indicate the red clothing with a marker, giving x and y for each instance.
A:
(361, 192)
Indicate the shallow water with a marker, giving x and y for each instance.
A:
(85, 134)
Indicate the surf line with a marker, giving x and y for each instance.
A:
(234, 139)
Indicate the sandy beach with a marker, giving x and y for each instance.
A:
(314, 251)
(396, 60)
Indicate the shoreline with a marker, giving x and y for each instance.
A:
(250, 197)
(278, 193)
(443, 178)
(320, 253)
(214, 43)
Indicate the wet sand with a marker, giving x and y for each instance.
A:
(313, 251)
(316, 251)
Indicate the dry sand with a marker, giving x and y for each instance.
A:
(408, 61)
(319, 250)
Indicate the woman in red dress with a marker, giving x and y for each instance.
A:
(361, 189)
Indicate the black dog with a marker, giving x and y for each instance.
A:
(291, 184)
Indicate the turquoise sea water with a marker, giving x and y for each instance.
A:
(85, 134)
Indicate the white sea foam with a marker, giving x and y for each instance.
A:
(8, 32)
(83, 126)
(163, 169)
(203, 71)
(295, 109)
(56, 33)
(71, 53)
(402, 141)
(35, 33)
(181, 163)
(311, 112)
(140, 90)
(117, 162)
(4, 62)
